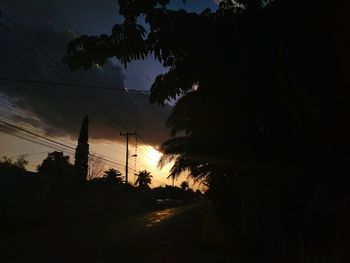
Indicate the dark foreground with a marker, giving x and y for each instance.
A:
(168, 235)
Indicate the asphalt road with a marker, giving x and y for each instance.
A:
(168, 235)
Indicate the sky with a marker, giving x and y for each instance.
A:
(56, 111)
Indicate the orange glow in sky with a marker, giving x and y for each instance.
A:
(147, 157)
(153, 156)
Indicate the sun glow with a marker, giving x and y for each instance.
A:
(153, 157)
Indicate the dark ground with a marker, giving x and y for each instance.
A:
(167, 235)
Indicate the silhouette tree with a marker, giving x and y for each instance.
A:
(144, 179)
(184, 185)
(95, 167)
(113, 176)
(268, 119)
(57, 167)
(82, 152)
(8, 165)
(259, 111)
(176, 40)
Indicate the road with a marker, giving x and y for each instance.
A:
(168, 235)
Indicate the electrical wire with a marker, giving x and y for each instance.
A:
(50, 59)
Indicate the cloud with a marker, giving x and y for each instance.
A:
(58, 110)
(90, 16)
(41, 13)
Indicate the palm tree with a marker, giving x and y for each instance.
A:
(192, 150)
(144, 179)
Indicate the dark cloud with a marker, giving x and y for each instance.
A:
(89, 16)
(41, 13)
(59, 110)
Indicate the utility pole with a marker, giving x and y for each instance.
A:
(127, 134)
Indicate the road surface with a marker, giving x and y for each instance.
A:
(168, 235)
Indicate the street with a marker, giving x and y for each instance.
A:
(167, 235)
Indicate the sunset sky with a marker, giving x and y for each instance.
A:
(56, 111)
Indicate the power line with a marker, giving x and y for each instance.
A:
(26, 35)
(37, 46)
(41, 143)
(30, 49)
(148, 152)
(9, 131)
(37, 135)
(33, 137)
(46, 64)
(35, 69)
(58, 67)
(135, 154)
(51, 144)
(55, 142)
(72, 85)
(23, 114)
(127, 134)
